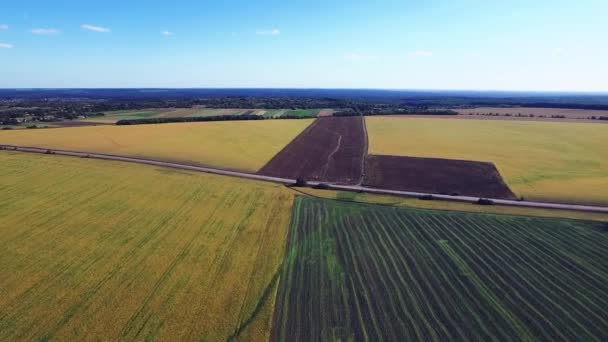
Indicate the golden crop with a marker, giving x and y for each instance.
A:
(100, 250)
(242, 146)
(565, 162)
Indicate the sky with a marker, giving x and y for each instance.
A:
(544, 45)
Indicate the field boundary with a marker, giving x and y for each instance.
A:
(365, 151)
(286, 181)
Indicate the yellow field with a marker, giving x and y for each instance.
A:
(237, 145)
(100, 250)
(565, 162)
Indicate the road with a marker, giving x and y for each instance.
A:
(286, 181)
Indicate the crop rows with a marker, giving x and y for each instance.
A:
(97, 250)
(367, 272)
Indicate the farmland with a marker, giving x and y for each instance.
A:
(415, 203)
(97, 250)
(447, 176)
(544, 161)
(536, 112)
(243, 146)
(114, 116)
(331, 149)
(300, 113)
(363, 272)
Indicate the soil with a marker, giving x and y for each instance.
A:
(329, 150)
(439, 176)
(325, 112)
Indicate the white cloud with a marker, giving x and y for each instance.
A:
(45, 32)
(167, 33)
(273, 32)
(6, 46)
(421, 53)
(3, 27)
(94, 28)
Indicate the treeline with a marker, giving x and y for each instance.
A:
(561, 102)
(293, 103)
(244, 117)
(400, 111)
(566, 106)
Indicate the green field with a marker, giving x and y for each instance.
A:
(273, 113)
(205, 112)
(363, 272)
(302, 113)
(113, 116)
(542, 161)
(99, 250)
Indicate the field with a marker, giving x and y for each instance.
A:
(204, 112)
(414, 203)
(548, 112)
(331, 149)
(438, 176)
(326, 112)
(544, 161)
(243, 145)
(303, 113)
(362, 272)
(112, 117)
(98, 250)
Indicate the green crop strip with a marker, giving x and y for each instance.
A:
(523, 333)
(368, 272)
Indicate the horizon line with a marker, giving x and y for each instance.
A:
(585, 92)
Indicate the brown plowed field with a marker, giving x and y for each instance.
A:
(330, 150)
(440, 176)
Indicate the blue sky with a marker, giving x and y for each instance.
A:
(435, 44)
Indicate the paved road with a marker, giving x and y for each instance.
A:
(352, 188)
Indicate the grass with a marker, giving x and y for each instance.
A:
(243, 145)
(113, 116)
(271, 113)
(215, 112)
(303, 113)
(365, 272)
(99, 250)
(543, 161)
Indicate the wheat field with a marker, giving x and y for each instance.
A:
(543, 161)
(99, 250)
(237, 145)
